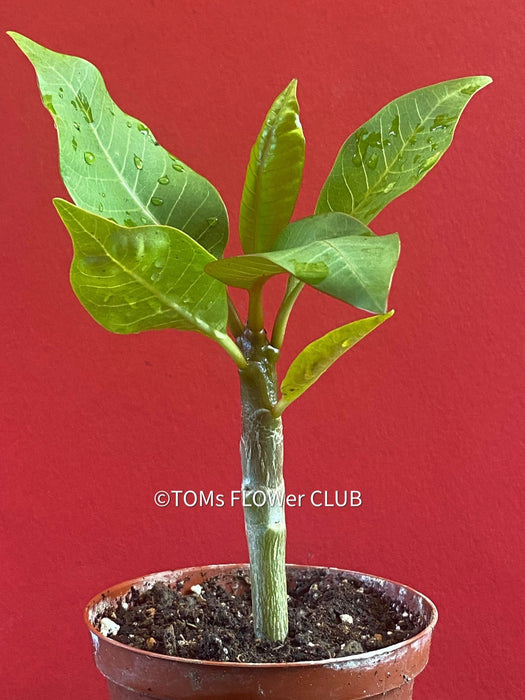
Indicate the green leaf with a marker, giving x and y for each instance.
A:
(112, 164)
(355, 269)
(396, 148)
(320, 227)
(317, 357)
(144, 278)
(274, 174)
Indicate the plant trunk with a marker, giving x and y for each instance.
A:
(263, 486)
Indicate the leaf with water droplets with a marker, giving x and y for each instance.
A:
(357, 269)
(143, 278)
(120, 154)
(396, 148)
(317, 357)
(274, 175)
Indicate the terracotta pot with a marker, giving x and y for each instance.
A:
(385, 673)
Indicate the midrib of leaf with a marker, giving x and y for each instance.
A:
(259, 173)
(107, 154)
(352, 269)
(193, 320)
(389, 168)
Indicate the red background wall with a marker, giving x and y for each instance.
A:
(422, 417)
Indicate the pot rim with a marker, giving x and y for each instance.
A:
(357, 659)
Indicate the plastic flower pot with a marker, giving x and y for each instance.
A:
(384, 673)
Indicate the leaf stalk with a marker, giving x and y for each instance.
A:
(293, 289)
(255, 308)
(234, 321)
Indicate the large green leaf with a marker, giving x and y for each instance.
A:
(144, 278)
(317, 357)
(396, 148)
(318, 228)
(112, 164)
(355, 269)
(274, 174)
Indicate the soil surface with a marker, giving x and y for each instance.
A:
(328, 618)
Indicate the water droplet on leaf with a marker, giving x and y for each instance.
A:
(157, 201)
(212, 220)
(89, 158)
(310, 272)
(155, 276)
(74, 143)
(154, 304)
(164, 180)
(48, 103)
(412, 140)
(76, 126)
(101, 207)
(389, 187)
(394, 127)
(137, 161)
(372, 161)
(178, 167)
(374, 140)
(427, 164)
(85, 107)
(442, 121)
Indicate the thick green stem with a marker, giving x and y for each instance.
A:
(263, 486)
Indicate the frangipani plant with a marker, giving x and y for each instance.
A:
(149, 236)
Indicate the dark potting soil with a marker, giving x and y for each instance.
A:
(328, 618)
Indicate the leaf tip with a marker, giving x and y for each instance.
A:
(291, 88)
(478, 82)
(26, 45)
(60, 204)
(19, 39)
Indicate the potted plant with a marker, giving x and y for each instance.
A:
(149, 236)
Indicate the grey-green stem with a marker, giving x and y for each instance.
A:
(263, 486)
